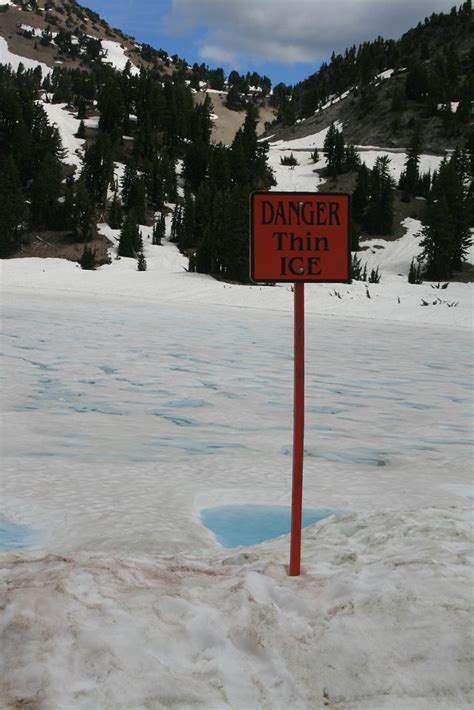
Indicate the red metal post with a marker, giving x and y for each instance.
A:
(298, 433)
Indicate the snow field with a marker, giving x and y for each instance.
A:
(132, 400)
(68, 125)
(7, 57)
(136, 414)
(117, 58)
(368, 626)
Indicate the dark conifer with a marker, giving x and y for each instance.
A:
(87, 260)
(360, 196)
(141, 262)
(414, 274)
(98, 168)
(115, 213)
(12, 208)
(83, 215)
(81, 131)
(130, 243)
(379, 214)
(195, 164)
(410, 177)
(45, 192)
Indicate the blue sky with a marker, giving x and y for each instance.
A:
(285, 39)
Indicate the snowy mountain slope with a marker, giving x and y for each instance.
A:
(382, 89)
(18, 23)
(20, 34)
(8, 57)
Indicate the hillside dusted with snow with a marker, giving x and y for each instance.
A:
(147, 385)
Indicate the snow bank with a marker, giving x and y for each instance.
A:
(7, 57)
(398, 160)
(68, 126)
(394, 299)
(297, 178)
(312, 142)
(379, 619)
(368, 154)
(385, 74)
(117, 58)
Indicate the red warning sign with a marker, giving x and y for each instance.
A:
(300, 236)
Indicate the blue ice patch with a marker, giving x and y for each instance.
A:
(235, 525)
(14, 536)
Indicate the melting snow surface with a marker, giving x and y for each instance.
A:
(133, 401)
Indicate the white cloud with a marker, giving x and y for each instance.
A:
(293, 31)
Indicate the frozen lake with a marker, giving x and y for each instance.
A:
(123, 421)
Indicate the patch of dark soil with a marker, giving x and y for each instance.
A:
(62, 245)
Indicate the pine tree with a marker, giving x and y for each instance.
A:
(335, 151)
(81, 131)
(414, 274)
(233, 99)
(45, 192)
(464, 110)
(112, 110)
(128, 179)
(330, 147)
(134, 192)
(195, 164)
(170, 183)
(379, 214)
(115, 213)
(437, 241)
(351, 160)
(12, 208)
(98, 168)
(87, 260)
(159, 231)
(130, 242)
(83, 215)
(176, 223)
(67, 209)
(446, 226)
(410, 177)
(141, 262)
(360, 196)
(154, 182)
(186, 235)
(81, 110)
